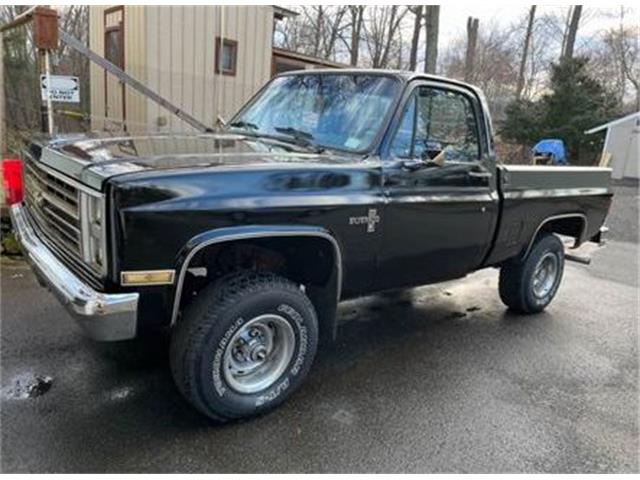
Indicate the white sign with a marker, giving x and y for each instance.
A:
(63, 88)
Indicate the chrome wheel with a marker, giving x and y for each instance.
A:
(545, 275)
(259, 353)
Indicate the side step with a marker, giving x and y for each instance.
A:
(577, 258)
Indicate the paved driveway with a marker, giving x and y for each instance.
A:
(444, 381)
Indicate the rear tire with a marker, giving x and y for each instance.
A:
(245, 345)
(528, 286)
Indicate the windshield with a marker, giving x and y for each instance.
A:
(341, 111)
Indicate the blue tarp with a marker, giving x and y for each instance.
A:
(554, 148)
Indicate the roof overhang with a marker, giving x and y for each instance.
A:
(307, 59)
(280, 13)
(612, 123)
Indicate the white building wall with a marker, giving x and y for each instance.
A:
(181, 55)
(172, 50)
(622, 142)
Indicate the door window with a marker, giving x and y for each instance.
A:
(113, 47)
(113, 38)
(436, 120)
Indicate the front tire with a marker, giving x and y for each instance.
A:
(528, 286)
(245, 345)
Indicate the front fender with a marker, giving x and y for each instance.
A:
(244, 232)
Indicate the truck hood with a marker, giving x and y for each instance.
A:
(92, 160)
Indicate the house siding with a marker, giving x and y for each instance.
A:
(172, 50)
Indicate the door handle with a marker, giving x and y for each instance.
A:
(479, 174)
(412, 165)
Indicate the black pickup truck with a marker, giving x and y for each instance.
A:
(327, 185)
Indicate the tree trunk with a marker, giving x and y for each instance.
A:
(432, 25)
(525, 52)
(335, 27)
(472, 41)
(318, 33)
(390, 33)
(417, 25)
(572, 32)
(357, 13)
(565, 31)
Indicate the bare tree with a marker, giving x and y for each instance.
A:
(316, 32)
(432, 25)
(572, 31)
(495, 64)
(314, 15)
(380, 33)
(616, 62)
(525, 52)
(415, 38)
(472, 40)
(625, 45)
(333, 27)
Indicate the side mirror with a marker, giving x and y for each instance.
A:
(439, 159)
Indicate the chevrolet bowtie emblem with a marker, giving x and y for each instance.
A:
(370, 220)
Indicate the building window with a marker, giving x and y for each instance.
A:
(113, 47)
(226, 56)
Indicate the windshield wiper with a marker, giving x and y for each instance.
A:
(295, 133)
(243, 124)
(301, 138)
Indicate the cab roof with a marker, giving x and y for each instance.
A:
(405, 76)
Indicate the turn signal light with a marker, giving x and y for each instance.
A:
(147, 277)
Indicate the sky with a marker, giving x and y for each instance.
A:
(453, 17)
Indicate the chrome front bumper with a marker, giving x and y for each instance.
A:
(103, 317)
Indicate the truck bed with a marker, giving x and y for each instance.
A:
(532, 195)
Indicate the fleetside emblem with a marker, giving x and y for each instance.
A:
(370, 220)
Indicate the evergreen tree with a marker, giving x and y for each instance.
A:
(575, 103)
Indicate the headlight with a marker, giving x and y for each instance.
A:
(93, 230)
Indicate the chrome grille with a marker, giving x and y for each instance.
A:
(67, 216)
(55, 206)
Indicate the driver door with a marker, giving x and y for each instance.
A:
(439, 217)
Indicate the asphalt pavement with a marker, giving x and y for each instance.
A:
(441, 379)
